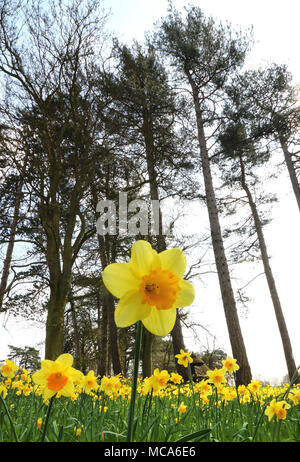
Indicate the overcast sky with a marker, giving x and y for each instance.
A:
(276, 35)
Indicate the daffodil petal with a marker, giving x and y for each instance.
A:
(160, 322)
(119, 279)
(66, 360)
(173, 260)
(186, 294)
(130, 309)
(46, 365)
(47, 393)
(68, 389)
(39, 377)
(143, 258)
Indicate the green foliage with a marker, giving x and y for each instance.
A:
(27, 357)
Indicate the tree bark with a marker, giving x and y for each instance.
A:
(103, 341)
(77, 359)
(109, 332)
(176, 333)
(235, 334)
(291, 170)
(11, 243)
(291, 365)
(50, 217)
(147, 343)
(109, 306)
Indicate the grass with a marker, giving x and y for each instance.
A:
(225, 414)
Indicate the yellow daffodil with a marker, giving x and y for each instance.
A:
(230, 364)
(39, 423)
(204, 387)
(182, 408)
(3, 390)
(110, 385)
(159, 379)
(176, 378)
(78, 431)
(277, 408)
(295, 397)
(254, 386)
(89, 382)
(57, 376)
(150, 288)
(217, 376)
(184, 358)
(9, 369)
(243, 390)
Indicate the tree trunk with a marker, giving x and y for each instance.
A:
(235, 334)
(59, 287)
(291, 170)
(147, 344)
(11, 243)
(55, 324)
(291, 365)
(113, 336)
(103, 341)
(77, 359)
(176, 334)
(110, 308)
(109, 328)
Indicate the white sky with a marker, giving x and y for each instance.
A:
(276, 33)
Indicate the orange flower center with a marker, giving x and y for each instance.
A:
(159, 288)
(6, 368)
(281, 413)
(228, 365)
(56, 381)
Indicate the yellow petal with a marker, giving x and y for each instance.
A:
(47, 393)
(75, 374)
(186, 294)
(143, 258)
(66, 360)
(47, 365)
(130, 309)
(119, 279)
(68, 389)
(173, 260)
(39, 377)
(160, 322)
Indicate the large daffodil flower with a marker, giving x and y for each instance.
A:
(150, 288)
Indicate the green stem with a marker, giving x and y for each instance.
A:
(47, 418)
(192, 389)
(135, 377)
(278, 431)
(10, 419)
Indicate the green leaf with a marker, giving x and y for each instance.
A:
(192, 436)
(148, 428)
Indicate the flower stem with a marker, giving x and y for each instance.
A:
(10, 419)
(138, 338)
(47, 419)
